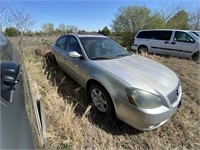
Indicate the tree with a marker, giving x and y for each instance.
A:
(194, 20)
(168, 9)
(179, 21)
(11, 31)
(128, 20)
(72, 29)
(105, 31)
(62, 28)
(48, 29)
(22, 21)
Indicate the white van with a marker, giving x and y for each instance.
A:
(180, 43)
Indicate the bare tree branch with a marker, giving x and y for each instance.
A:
(195, 20)
(22, 21)
(167, 10)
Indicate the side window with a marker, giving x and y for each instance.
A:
(61, 42)
(163, 35)
(147, 35)
(141, 34)
(151, 34)
(182, 37)
(73, 45)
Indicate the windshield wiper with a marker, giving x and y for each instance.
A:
(122, 55)
(100, 58)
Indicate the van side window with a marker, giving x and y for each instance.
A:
(163, 35)
(146, 35)
(142, 34)
(182, 37)
(156, 35)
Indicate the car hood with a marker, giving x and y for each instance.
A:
(142, 73)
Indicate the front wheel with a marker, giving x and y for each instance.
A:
(101, 99)
(195, 56)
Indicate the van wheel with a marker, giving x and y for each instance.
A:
(142, 49)
(195, 56)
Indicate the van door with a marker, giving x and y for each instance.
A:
(182, 44)
(160, 42)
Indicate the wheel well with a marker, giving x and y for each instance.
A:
(195, 53)
(50, 58)
(142, 46)
(92, 81)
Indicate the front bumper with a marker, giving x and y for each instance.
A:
(145, 119)
(134, 47)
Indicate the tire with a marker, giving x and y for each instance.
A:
(101, 99)
(195, 56)
(50, 59)
(142, 49)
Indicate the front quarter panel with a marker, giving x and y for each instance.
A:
(114, 85)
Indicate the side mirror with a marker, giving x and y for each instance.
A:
(9, 73)
(74, 54)
(191, 41)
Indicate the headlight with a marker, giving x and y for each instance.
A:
(143, 99)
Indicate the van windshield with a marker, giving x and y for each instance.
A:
(197, 38)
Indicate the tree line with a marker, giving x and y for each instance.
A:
(126, 23)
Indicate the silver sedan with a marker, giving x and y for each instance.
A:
(139, 91)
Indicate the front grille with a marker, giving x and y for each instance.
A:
(174, 95)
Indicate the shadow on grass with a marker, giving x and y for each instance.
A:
(71, 92)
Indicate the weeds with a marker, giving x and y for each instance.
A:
(73, 124)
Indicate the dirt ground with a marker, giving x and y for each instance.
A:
(73, 124)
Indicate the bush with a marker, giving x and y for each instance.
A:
(11, 31)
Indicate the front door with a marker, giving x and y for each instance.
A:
(182, 45)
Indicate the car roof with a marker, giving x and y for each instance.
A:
(89, 34)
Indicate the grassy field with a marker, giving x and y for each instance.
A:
(73, 124)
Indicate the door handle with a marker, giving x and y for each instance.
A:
(173, 42)
(166, 42)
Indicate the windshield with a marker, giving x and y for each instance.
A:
(194, 34)
(99, 48)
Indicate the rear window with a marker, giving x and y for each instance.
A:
(146, 35)
(157, 35)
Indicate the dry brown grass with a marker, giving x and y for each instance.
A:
(73, 124)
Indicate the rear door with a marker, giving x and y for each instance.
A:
(160, 42)
(59, 51)
(75, 66)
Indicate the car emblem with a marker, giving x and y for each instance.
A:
(177, 92)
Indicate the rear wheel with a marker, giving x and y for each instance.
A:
(195, 56)
(101, 99)
(50, 59)
(142, 48)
